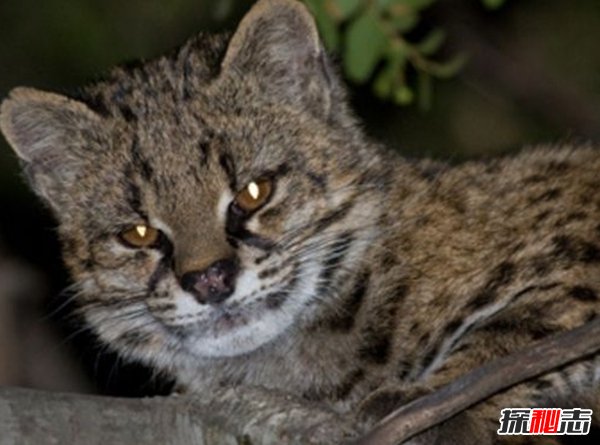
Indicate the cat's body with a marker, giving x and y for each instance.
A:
(361, 281)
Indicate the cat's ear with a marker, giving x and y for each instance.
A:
(48, 132)
(278, 42)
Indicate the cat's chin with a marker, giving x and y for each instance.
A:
(243, 324)
(233, 335)
(241, 329)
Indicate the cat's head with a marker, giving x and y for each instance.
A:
(208, 200)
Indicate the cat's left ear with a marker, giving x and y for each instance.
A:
(278, 42)
(51, 134)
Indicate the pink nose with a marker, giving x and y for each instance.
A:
(213, 284)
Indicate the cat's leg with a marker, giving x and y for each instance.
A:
(508, 332)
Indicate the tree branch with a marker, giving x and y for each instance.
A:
(255, 416)
(485, 381)
(226, 416)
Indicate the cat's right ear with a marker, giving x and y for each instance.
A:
(278, 43)
(48, 132)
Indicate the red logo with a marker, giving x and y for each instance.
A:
(548, 421)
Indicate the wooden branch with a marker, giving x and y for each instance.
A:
(228, 416)
(255, 416)
(485, 381)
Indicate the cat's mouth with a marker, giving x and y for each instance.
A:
(226, 321)
(247, 321)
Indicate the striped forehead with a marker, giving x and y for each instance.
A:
(167, 176)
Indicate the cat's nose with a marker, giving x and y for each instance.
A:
(213, 284)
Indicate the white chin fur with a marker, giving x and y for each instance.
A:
(260, 327)
(242, 339)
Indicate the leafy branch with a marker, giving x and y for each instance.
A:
(372, 38)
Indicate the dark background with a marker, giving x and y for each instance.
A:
(533, 77)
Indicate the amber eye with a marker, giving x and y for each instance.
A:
(140, 236)
(254, 195)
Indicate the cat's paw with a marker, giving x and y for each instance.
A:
(270, 417)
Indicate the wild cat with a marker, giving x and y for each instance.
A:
(226, 221)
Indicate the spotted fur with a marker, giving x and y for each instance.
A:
(365, 281)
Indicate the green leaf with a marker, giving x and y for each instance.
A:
(402, 16)
(383, 4)
(391, 76)
(326, 24)
(403, 95)
(345, 8)
(492, 4)
(404, 22)
(329, 33)
(384, 82)
(398, 50)
(365, 44)
(432, 42)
